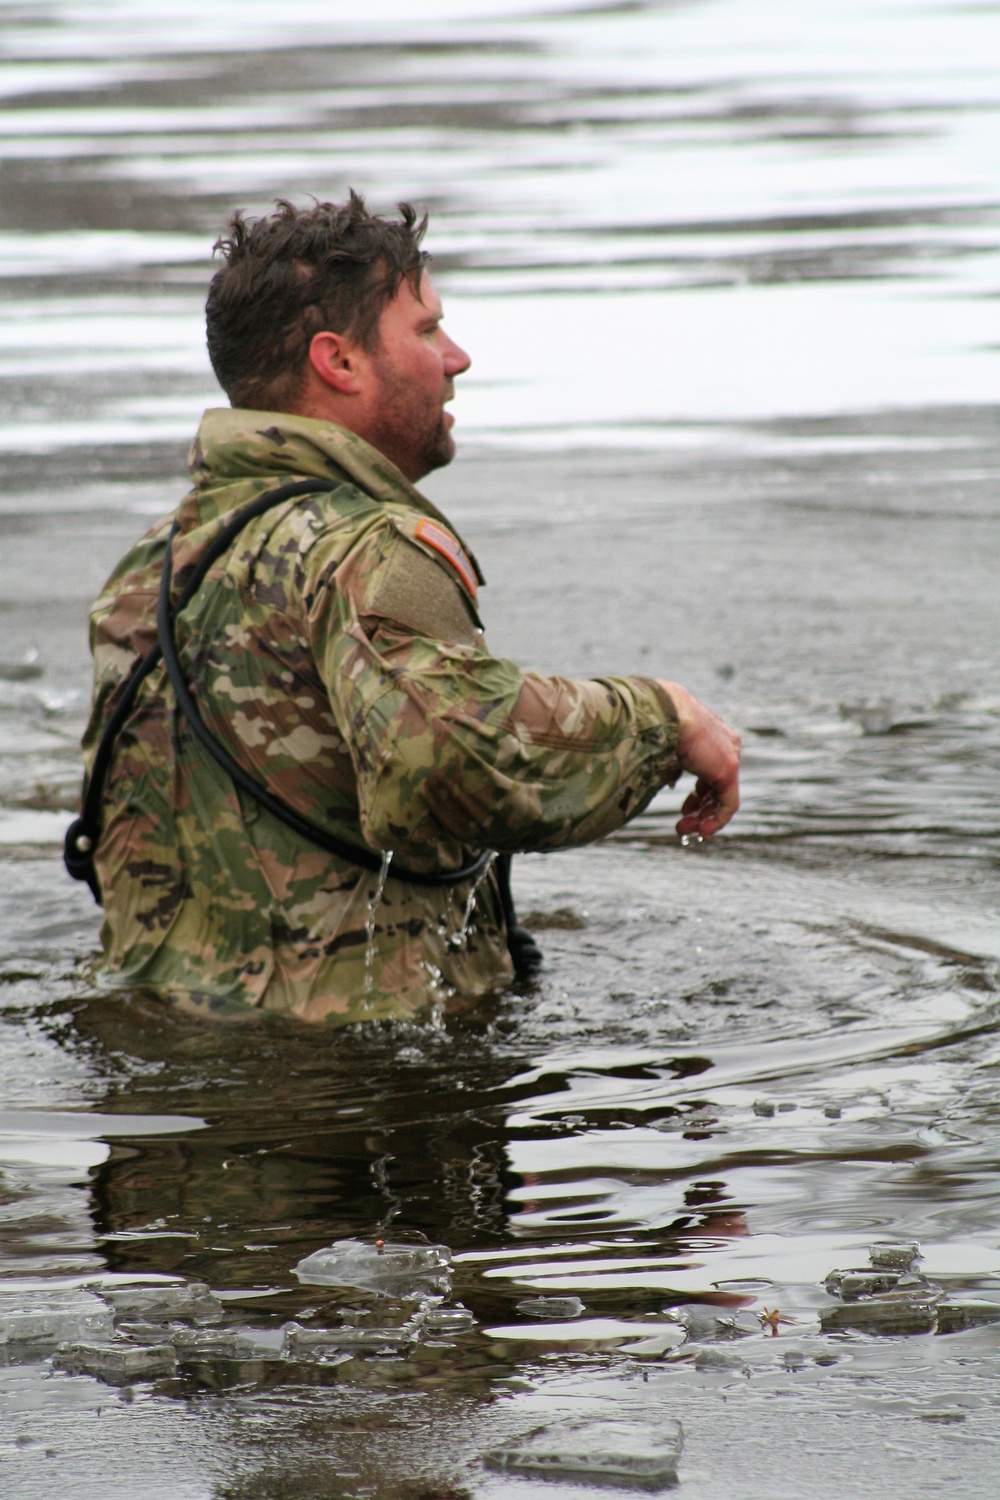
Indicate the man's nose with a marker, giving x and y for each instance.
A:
(456, 361)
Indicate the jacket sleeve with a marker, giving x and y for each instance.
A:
(456, 748)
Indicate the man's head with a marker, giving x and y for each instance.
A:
(328, 312)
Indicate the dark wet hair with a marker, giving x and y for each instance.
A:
(295, 273)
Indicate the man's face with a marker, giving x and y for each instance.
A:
(412, 372)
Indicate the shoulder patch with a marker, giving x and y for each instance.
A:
(433, 535)
(417, 592)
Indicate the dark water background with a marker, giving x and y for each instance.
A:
(730, 274)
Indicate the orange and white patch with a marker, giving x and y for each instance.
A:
(442, 541)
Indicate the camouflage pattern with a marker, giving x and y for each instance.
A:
(336, 651)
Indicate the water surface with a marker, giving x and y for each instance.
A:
(729, 276)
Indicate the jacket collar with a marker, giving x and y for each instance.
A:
(234, 444)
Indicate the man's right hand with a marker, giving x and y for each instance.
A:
(710, 750)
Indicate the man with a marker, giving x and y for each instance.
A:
(335, 651)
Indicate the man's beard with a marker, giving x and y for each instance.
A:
(411, 429)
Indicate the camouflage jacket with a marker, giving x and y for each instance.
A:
(336, 652)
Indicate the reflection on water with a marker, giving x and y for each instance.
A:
(729, 274)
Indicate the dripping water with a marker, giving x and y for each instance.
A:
(460, 936)
(373, 906)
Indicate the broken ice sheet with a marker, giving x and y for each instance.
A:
(711, 1357)
(702, 1323)
(895, 1314)
(204, 1343)
(647, 1337)
(852, 1284)
(116, 1364)
(411, 1272)
(228, 1343)
(192, 1303)
(955, 1317)
(626, 1454)
(45, 1319)
(326, 1343)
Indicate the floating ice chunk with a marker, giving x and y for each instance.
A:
(550, 1309)
(625, 1453)
(894, 1255)
(192, 1303)
(228, 1343)
(669, 1337)
(259, 1343)
(411, 1272)
(45, 1319)
(361, 1333)
(117, 1364)
(946, 1414)
(29, 666)
(204, 1343)
(447, 1320)
(902, 1313)
(325, 1344)
(698, 1322)
(952, 1317)
(328, 1354)
(714, 1358)
(703, 1323)
(850, 1285)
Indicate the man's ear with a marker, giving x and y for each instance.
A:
(337, 362)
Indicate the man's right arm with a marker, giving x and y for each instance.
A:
(454, 748)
